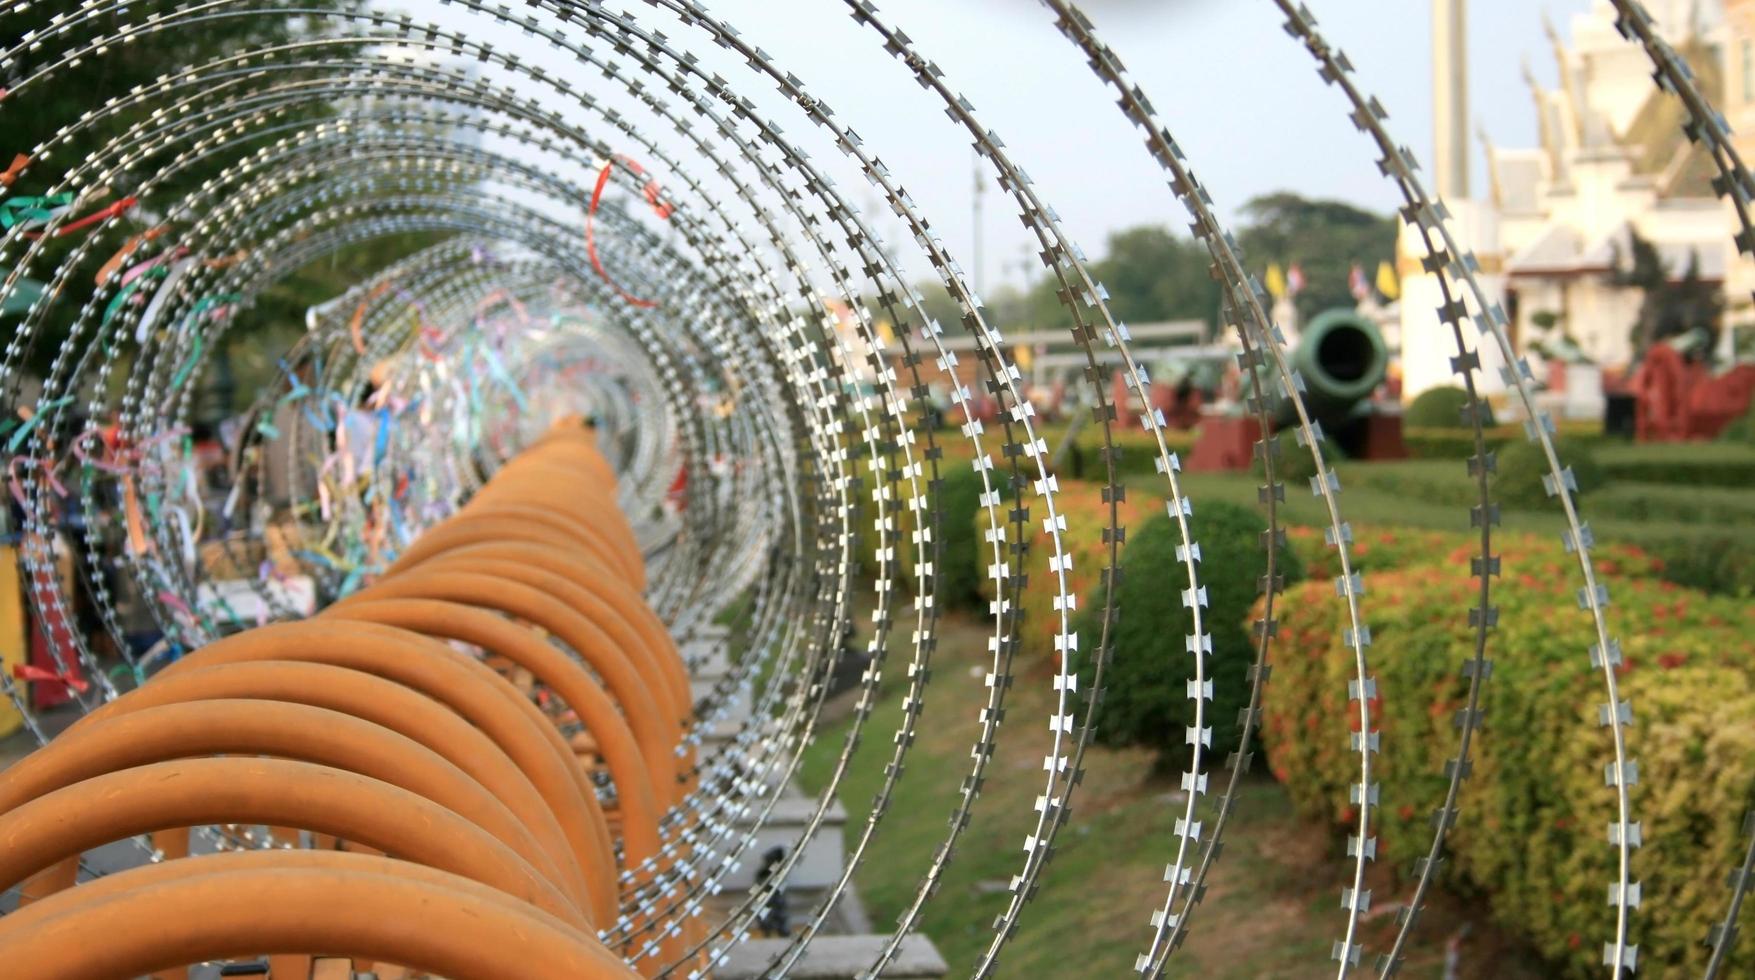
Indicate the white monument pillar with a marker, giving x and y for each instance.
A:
(1450, 98)
(1427, 343)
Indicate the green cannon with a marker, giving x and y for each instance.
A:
(1342, 358)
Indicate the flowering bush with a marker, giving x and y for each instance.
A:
(1372, 548)
(1531, 829)
(1376, 549)
(1084, 540)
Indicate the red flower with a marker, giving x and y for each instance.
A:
(1376, 706)
(1670, 661)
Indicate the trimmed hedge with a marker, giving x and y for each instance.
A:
(1457, 443)
(1718, 473)
(1716, 507)
(1530, 833)
(1690, 464)
(1719, 564)
(1145, 698)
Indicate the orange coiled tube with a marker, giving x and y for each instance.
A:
(162, 916)
(364, 729)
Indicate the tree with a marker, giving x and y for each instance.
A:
(1669, 307)
(1153, 274)
(37, 114)
(1325, 238)
(1150, 275)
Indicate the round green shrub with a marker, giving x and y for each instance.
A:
(1294, 467)
(1522, 465)
(1145, 698)
(1440, 408)
(961, 561)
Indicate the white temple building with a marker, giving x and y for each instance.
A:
(1553, 224)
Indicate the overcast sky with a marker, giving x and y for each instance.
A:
(1240, 96)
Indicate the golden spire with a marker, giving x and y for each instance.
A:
(1495, 190)
(1544, 119)
(1574, 113)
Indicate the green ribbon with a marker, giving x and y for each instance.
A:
(31, 423)
(207, 303)
(126, 670)
(188, 365)
(29, 210)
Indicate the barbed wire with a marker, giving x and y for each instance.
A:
(657, 252)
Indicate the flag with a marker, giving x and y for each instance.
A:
(1294, 279)
(1356, 283)
(1386, 281)
(1276, 281)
